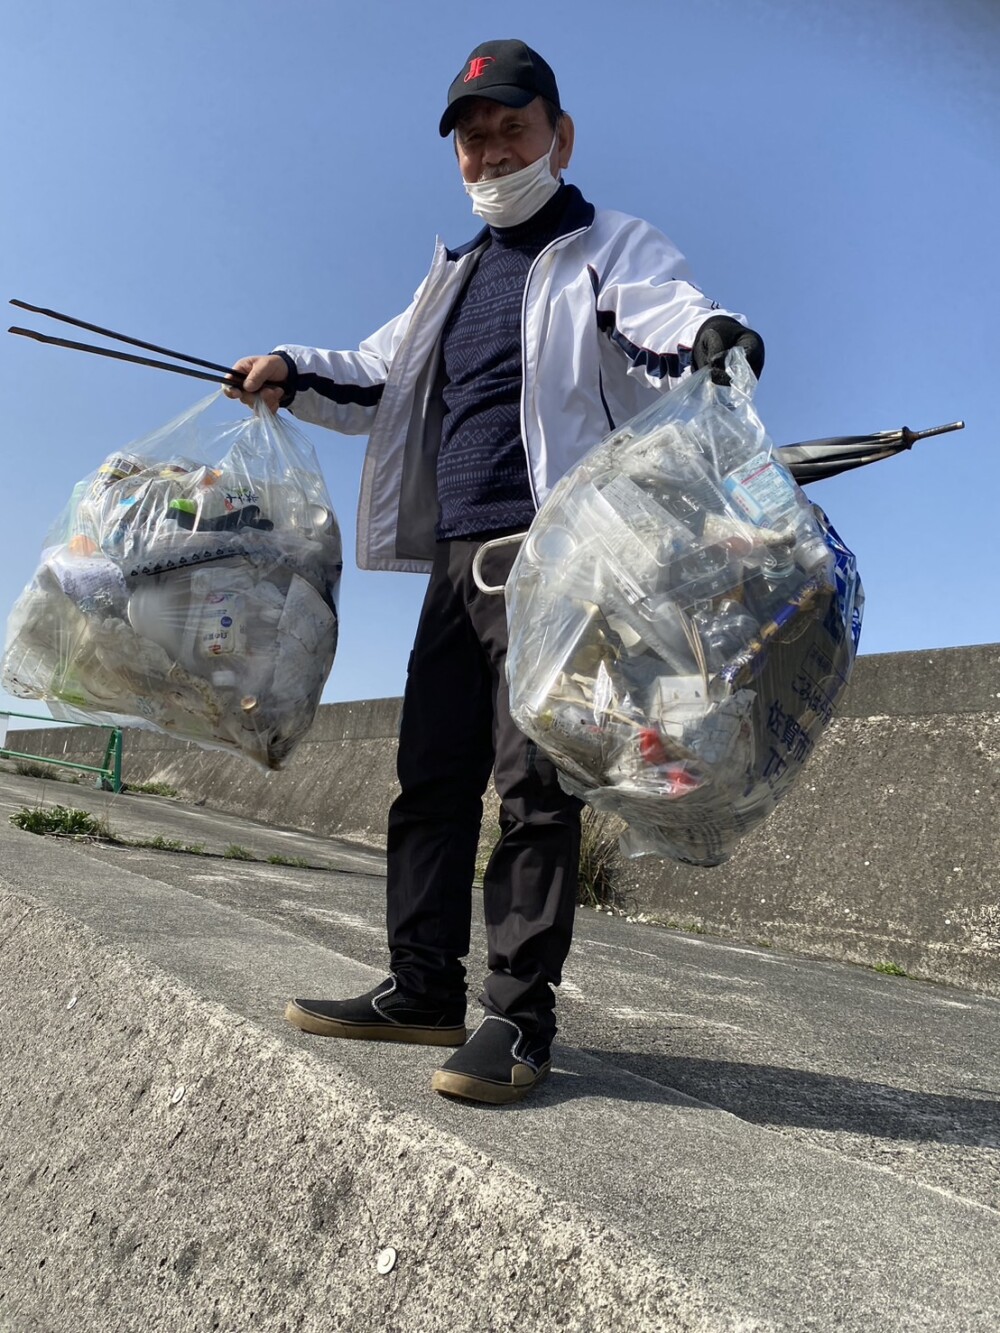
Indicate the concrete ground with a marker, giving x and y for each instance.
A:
(732, 1138)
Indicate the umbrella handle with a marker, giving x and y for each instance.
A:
(911, 436)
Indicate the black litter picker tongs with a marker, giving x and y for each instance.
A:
(222, 374)
(812, 460)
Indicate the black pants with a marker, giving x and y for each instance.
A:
(455, 728)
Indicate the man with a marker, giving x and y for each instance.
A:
(518, 353)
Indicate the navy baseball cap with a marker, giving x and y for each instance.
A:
(505, 71)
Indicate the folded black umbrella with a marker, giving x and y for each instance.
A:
(812, 460)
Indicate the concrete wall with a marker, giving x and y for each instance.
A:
(339, 782)
(886, 852)
(888, 849)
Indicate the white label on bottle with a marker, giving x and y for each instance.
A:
(761, 490)
(86, 579)
(221, 628)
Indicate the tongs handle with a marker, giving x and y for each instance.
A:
(223, 375)
(108, 333)
(132, 359)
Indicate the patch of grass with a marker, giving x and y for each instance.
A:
(162, 844)
(599, 861)
(27, 768)
(62, 821)
(890, 969)
(483, 855)
(150, 788)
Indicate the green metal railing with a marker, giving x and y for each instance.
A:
(109, 772)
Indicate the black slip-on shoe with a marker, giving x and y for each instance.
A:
(384, 1014)
(498, 1064)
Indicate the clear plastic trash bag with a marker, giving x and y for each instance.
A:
(682, 623)
(191, 586)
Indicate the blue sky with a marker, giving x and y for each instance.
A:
(220, 177)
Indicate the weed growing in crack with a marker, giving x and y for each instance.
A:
(890, 969)
(62, 821)
(234, 852)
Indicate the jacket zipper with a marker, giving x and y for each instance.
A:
(604, 401)
(552, 245)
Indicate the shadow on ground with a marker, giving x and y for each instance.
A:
(773, 1094)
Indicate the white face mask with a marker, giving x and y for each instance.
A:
(511, 200)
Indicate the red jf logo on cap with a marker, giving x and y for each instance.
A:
(477, 67)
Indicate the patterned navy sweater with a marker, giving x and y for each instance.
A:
(482, 470)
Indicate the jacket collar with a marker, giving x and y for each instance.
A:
(577, 214)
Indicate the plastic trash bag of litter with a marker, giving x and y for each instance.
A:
(190, 585)
(682, 623)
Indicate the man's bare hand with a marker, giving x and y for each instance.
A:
(258, 370)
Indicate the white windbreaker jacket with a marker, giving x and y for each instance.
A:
(608, 318)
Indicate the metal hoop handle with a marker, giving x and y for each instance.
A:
(493, 589)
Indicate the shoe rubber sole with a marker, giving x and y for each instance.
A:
(471, 1089)
(413, 1035)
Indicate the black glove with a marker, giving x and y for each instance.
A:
(714, 339)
